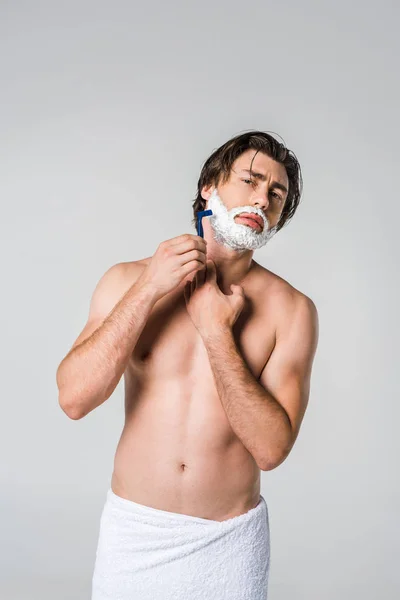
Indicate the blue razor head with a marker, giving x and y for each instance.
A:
(200, 215)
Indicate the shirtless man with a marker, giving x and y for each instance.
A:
(215, 349)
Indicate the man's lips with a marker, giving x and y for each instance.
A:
(253, 217)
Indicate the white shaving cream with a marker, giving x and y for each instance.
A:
(236, 235)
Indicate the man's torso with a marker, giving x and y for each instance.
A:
(178, 451)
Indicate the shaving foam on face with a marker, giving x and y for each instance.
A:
(237, 236)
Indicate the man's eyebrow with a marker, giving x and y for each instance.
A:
(274, 184)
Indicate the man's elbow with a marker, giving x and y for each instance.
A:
(71, 410)
(269, 465)
(275, 459)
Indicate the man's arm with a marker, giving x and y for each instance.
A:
(287, 374)
(266, 414)
(91, 370)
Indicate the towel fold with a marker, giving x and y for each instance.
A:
(150, 554)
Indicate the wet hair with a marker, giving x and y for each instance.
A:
(217, 169)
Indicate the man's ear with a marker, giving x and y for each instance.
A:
(207, 190)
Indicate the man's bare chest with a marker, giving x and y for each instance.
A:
(171, 346)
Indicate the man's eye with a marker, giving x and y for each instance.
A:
(251, 181)
(276, 195)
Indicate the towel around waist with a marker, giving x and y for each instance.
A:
(147, 553)
(155, 516)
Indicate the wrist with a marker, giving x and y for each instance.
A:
(217, 333)
(149, 289)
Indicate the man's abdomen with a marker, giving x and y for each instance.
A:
(178, 453)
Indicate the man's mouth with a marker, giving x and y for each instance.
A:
(251, 219)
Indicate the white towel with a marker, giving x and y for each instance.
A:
(150, 554)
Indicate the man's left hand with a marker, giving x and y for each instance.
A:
(209, 308)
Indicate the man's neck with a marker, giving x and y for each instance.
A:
(232, 266)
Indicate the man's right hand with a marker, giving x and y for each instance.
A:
(173, 260)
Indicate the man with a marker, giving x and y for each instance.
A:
(216, 353)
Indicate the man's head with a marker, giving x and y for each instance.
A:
(255, 171)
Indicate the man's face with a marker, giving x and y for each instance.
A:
(243, 189)
(262, 196)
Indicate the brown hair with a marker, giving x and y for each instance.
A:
(217, 169)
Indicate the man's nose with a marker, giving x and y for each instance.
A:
(261, 200)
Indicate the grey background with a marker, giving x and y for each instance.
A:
(108, 111)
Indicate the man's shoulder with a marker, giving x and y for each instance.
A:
(120, 277)
(281, 289)
(131, 268)
(290, 307)
(143, 262)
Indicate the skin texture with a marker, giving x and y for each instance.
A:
(218, 382)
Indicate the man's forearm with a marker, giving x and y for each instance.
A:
(255, 416)
(90, 372)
